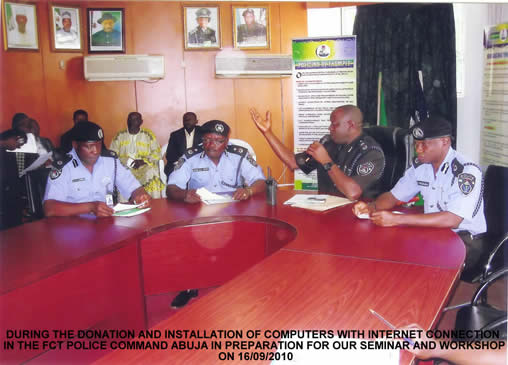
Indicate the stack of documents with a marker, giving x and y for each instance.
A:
(319, 203)
(208, 197)
(128, 210)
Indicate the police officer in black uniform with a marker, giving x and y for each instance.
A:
(202, 34)
(348, 162)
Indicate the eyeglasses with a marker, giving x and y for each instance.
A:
(216, 142)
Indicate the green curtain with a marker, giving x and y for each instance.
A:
(399, 40)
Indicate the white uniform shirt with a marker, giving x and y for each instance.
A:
(75, 184)
(457, 192)
(199, 171)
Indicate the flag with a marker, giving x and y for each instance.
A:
(382, 120)
(420, 111)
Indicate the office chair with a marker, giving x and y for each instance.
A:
(495, 249)
(478, 314)
(242, 143)
(394, 142)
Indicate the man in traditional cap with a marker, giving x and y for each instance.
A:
(251, 31)
(347, 161)
(451, 186)
(66, 35)
(138, 150)
(216, 166)
(108, 36)
(202, 34)
(87, 181)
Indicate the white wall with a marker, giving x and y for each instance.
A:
(469, 107)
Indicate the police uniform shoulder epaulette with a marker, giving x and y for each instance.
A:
(416, 162)
(193, 151)
(60, 160)
(108, 153)
(457, 167)
(237, 150)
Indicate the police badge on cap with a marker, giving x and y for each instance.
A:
(432, 127)
(217, 127)
(87, 132)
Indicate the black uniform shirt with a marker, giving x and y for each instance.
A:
(362, 160)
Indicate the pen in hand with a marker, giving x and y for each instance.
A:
(390, 325)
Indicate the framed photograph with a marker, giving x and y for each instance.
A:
(65, 25)
(20, 26)
(106, 30)
(251, 27)
(201, 27)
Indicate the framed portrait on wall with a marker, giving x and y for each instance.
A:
(251, 27)
(201, 27)
(106, 30)
(20, 26)
(65, 25)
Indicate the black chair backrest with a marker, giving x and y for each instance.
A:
(495, 197)
(395, 144)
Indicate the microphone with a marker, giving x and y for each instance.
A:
(323, 140)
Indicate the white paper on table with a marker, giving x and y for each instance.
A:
(339, 356)
(307, 199)
(37, 163)
(121, 206)
(208, 197)
(131, 212)
(318, 203)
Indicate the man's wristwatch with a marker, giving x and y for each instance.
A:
(327, 166)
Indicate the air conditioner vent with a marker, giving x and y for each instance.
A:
(123, 67)
(258, 66)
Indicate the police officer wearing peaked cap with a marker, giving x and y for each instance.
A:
(83, 184)
(218, 167)
(202, 34)
(451, 186)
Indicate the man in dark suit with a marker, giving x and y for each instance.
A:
(187, 137)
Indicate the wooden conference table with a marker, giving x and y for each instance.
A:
(276, 267)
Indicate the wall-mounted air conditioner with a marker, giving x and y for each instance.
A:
(253, 66)
(123, 67)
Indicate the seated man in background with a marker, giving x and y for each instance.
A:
(348, 162)
(182, 139)
(89, 179)
(43, 144)
(38, 178)
(21, 123)
(217, 167)
(11, 185)
(450, 184)
(138, 150)
(66, 139)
